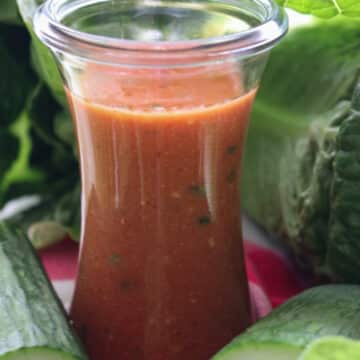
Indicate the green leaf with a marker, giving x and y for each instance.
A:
(42, 109)
(45, 66)
(17, 41)
(20, 178)
(17, 81)
(43, 157)
(309, 73)
(301, 176)
(324, 8)
(42, 59)
(9, 148)
(50, 152)
(64, 129)
(9, 12)
(55, 214)
(15, 85)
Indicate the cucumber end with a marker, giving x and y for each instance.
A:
(38, 353)
(332, 348)
(261, 351)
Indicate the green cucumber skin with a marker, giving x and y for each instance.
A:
(332, 348)
(38, 353)
(256, 350)
(31, 315)
(330, 310)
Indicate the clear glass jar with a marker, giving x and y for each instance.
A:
(160, 93)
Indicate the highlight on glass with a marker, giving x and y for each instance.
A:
(160, 94)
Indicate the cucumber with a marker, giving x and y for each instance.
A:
(33, 323)
(37, 354)
(332, 310)
(332, 348)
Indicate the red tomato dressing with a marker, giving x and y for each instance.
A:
(162, 271)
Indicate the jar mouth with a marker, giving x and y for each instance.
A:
(49, 26)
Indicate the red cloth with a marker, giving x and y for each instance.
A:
(272, 278)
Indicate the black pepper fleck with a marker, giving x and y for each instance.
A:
(232, 149)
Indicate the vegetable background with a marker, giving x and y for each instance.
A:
(301, 178)
(38, 153)
(324, 8)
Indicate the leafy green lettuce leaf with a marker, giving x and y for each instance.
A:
(52, 215)
(16, 84)
(9, 12)
(50, 152)
(301, 83)
(46, 168)
(324, 8)
(301, 174)
(36, 134)
(42, 59)
(37, 146)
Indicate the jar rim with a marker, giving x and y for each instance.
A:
(63, 39)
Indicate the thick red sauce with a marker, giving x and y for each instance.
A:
(162, 271)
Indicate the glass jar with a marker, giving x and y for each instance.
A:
(160, 93)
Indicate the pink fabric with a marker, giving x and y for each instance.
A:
(272, 278)
(60, 261)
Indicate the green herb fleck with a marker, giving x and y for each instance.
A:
(231, 177)
(114, 259)
(204, 220)
(197, 190)
(232, 149)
